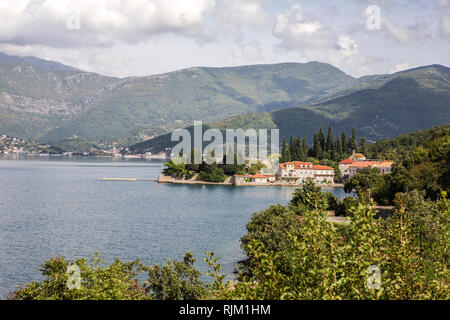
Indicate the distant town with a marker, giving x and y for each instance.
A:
(15, 147)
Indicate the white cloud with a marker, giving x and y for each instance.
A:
(406, 34)
(348, 47)
(102, 22)
(401, 66)
(232, 16)
(445, 26)
(244, 12)
(442, 4)
(297, 31)
(252, 52)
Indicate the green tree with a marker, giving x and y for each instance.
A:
(321, 138)
(177, 280)
(307, 196)
(364, 181)
(345, 145)
(271, 227)
(330, 140)
(283, 152)
(174, 169)
(317, 148)
(363, 146)
(97, 281)
(352, 143)
(305, 149)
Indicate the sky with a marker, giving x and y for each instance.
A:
(144, 37)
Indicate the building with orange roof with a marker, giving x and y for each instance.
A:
(300, 172)
(344, 165)
(384, 166)
(359, 157)
(252, 178)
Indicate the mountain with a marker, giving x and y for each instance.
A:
(38, 95)
(48, 101)
(379, 107)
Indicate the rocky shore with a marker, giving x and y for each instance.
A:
(169, 179)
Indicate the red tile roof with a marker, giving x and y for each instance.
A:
(253, 176)
(347, 161)
(259, 176)
(320, 167)
(306, 165)
(384, 164)
(296, 164)
(362, 164)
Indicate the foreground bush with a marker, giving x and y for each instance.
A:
(178, 280)
(402, 257)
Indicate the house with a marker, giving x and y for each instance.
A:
(252, 178)
(300, 172)
(384, 166)
(343, 166)
(359, 157)
(323, 174)
(294, 169)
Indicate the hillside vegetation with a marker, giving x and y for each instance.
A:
(401, 103)
(47, 101)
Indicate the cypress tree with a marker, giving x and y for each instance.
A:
(283, 151)
(322, 139)
(299, 149)
(317, 148)
(305, 149)
(338, 148)
(330, 140)
(363, 146)
(353, 143)
(291, 147)
(344, 141)
(288, 155)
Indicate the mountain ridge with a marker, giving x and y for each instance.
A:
(404, 102)
(115, 106)
(47, 101)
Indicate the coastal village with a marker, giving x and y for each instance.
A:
(297, 172)
(294, 173)
(13, 147)
(358, 161)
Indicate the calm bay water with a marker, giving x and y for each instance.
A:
(62, 207)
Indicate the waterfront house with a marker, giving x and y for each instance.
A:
(344, 166)
(383, 166)
(300, 172)
(252, 178)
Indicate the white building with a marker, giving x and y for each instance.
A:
(300, 172)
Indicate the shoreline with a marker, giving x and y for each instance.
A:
(171, 180)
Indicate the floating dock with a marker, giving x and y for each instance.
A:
(120, 179)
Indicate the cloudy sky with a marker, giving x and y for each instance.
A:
(143, 37)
